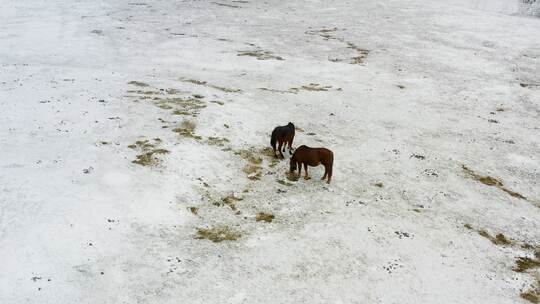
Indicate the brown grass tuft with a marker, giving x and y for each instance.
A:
(260, 55)
(491, 181)
(186, 129)
(230, 201)
(266, 217)
(217, 234)
(138, 83)
(525, 263)
(149, 152)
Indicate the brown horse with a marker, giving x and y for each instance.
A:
(282, 135)
(313, 157)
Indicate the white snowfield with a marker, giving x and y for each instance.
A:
(135, 163)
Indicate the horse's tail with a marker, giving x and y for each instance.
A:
(331, 166)
(329, 159)
(273, 139)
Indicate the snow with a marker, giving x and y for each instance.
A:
(520, 7)
(445, 84)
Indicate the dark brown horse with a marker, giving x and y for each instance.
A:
(282, 135)
(312, 157)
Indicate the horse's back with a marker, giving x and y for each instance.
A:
(325, 151)
(325, 155)
(301, 152)
(281, 131)
(320, 153)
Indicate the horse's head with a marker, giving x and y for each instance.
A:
(293, 164)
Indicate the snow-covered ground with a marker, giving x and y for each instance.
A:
(420, 101)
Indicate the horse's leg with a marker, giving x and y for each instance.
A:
(305, 168)
(329, 174)
(299, 165)
(325, 173)
(279, 149)
(290, 145)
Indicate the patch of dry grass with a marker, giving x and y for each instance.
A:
(250, 169)
(206, 84)
(278, 91)
(491, 181)
(168, 99)
(266, 217)
(194, 81)
(225, 4)
(260, 55)
(293, 177)
(361, 53)
(172, 91)
(250, 156)
(230, 201)
(187, 129)
(325, 33)
(163, 105)
(524, 264)
(253, 172)
(189, 125)
(498, 239)
(268, 153)
(328, 30)
(138, 83)
(194, 210)
(217, 141)
(533, 294)
(181, 112)
(182, 106)
(314, 87)
(253, 168)
(217, 234)
(284, 183)
(149, 152)
(141, 92)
